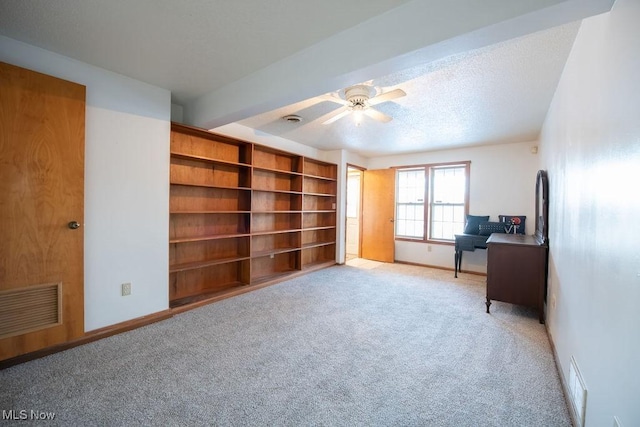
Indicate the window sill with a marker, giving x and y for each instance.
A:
(430, 242)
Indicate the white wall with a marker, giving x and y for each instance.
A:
(502, 182)
(590, 146)
(126, 185)
(244, 133)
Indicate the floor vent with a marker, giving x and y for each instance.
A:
(30, 309)
(578, 392)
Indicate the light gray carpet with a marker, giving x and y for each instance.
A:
(378, 344)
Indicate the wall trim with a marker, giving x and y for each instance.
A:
(89, 337)
(439, 267)
(563, 382)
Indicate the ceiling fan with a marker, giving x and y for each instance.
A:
(358, 100)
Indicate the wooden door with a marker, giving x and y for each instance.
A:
(378, 213)
(41, 193)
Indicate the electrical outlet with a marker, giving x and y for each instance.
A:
(272, 256)
(126, 289)
(333, 205)
(553, 301)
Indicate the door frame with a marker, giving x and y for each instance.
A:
(346, 196)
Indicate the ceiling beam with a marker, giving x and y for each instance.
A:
(415, 33)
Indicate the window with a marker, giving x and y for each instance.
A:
(445, 188)
(410, 203)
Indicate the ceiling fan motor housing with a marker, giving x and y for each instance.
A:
(358, 96)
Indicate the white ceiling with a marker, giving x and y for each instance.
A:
(496, 94)
(190, 47)
(474, 72)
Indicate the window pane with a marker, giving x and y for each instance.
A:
(447, 214)
(437, 230)
(437, 213)
(410, 203)
(447, 198)
(401, 227)
(458, 214)
(448, 185)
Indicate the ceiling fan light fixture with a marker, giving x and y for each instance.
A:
(357, 115)
(358, 100)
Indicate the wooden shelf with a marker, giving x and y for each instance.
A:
(206, 159)
(318, 169)
(324, 219)
(274, 222)
(200, 142)
(277, 191)
(312, 202)
(243, 215)
(200, 264)
(205, 280)
(209, 237)
(278, 212)
(269, 265)
(207, 296)
(320, 177)
(208, 212)
(317, 244)
(276, 171)
(268, 180)
(321, 254)
(318, 265)
(274, 251)
(265, 233)
(272, 277)
(276, 160)
(320, 194)
(194, 184)
(326, 227)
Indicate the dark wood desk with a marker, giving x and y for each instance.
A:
(517, 271)
(466, 242)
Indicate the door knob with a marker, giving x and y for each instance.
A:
(74, 225)
(391, 220)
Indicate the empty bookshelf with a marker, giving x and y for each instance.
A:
(243, 215)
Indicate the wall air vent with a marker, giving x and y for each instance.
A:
(30, 309)
(577, 392)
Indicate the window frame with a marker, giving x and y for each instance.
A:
(427, 199)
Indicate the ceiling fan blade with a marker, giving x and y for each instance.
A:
(388, 96)
(375, 114)
(334, 115)
(332, 98)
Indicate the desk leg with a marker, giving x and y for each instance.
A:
(488, 304)
(455, 263)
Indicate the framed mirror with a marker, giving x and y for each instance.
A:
(542, 208)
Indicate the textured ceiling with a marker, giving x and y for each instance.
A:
(475, 72)
(497, 94)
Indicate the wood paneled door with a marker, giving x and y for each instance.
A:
(378, 214)
(41, 211)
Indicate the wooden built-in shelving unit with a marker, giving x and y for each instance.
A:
(244, 215)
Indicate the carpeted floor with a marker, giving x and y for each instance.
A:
(364, 344)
